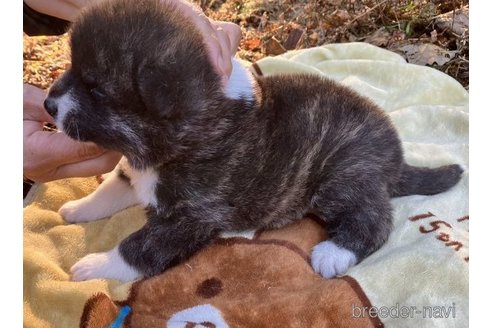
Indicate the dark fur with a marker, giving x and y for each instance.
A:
(306, 144)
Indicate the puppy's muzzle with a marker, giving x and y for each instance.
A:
(51, 107)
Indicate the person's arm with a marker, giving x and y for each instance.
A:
(64, 9)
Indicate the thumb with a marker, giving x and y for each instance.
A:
(65, 150)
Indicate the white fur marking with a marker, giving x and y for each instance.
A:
(241, 82)
(329, 260)
(248, 234)
(107, 265)
(143, 181)
(65, 104)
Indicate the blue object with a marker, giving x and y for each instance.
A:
(118, 322)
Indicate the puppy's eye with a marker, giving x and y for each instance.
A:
(97, 93)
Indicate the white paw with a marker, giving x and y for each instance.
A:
(107, 265)
(76, 211)
(330, 260)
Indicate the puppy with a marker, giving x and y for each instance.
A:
(203, 161)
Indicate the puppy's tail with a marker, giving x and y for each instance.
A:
(426, 181)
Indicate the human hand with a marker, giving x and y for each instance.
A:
(221, 38)
(53, 155)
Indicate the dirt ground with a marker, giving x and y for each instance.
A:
(425, 32)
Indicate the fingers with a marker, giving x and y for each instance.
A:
(64, 150)
(46, 150)
(233, 32)
(221, 38)
(53, 155)
(219, 51)
(223, 44)
(31, 127)
(91, 167)
(33, 99)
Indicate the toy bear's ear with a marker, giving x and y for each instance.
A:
(99, 312)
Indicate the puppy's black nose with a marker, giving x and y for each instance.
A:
(51, 106)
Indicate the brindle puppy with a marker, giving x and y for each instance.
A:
(203, 161)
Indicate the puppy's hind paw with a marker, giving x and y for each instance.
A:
(330, 260)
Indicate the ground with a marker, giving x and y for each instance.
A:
(433, 33)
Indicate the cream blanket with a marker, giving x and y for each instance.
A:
(419, 278)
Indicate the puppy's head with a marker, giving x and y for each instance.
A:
(138, 67)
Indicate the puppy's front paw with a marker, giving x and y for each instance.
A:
(330, 260)
(107, 265)
(92, 266)
(75, 211)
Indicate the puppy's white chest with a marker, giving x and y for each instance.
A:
(144, 182)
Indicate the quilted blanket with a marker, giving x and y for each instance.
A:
(419, 278)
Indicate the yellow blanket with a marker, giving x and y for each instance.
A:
(263, 278)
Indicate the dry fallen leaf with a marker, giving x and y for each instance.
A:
(426, 54)
(457, 21)
(251, 44)
(379, 38)
(342, 15)
(433, 36)
(273, 47)
(293, 39)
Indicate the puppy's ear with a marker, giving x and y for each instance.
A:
(174, 89)
(160, 89)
